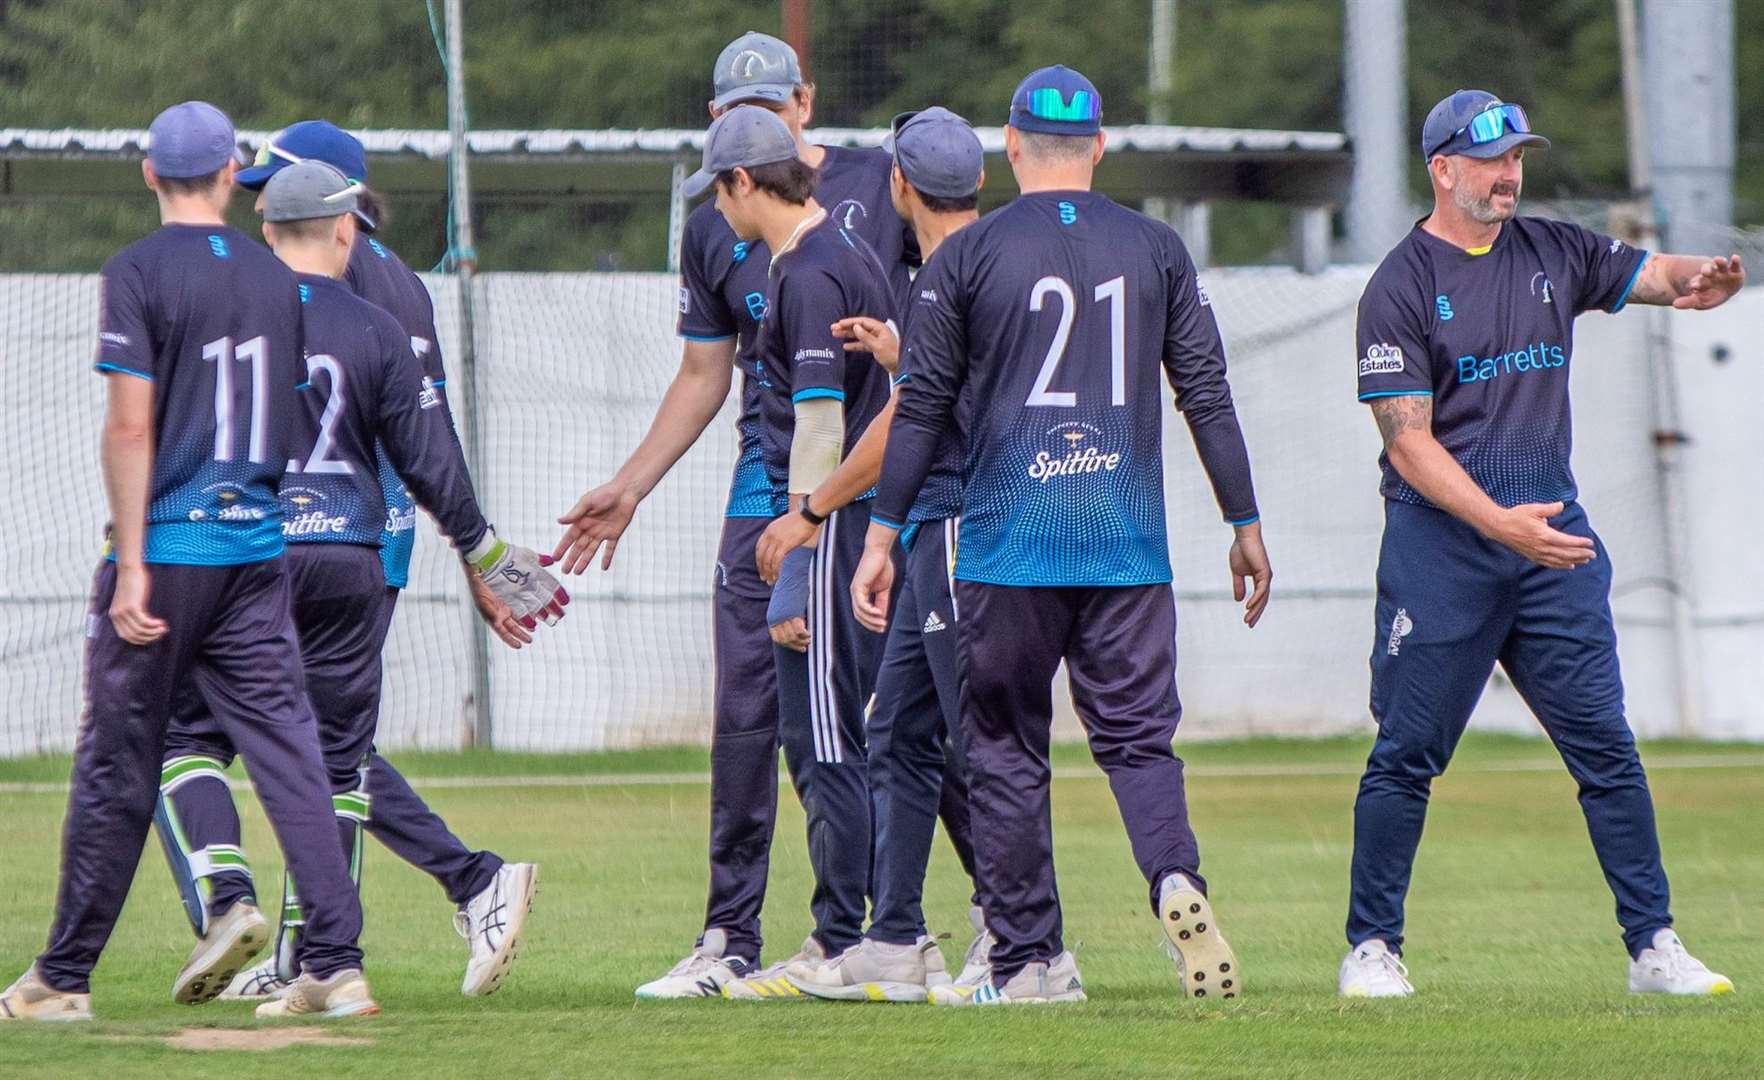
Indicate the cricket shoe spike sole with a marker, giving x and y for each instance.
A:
(898, 993)
(229, 946)
(1209, 967)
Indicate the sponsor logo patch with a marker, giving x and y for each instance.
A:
(1382, 359)
(1400, 628)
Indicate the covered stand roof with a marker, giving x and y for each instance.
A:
(1303, 168)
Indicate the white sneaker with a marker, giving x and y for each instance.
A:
(868, 971)
(770, 984)
(232, 940)
(978, 958)
(936, 968)
(345, 993)
(30, 998)
(492, 922)
(1203, 958)
(260, 982)
(1371, 970)
(1666, 968)
(1036, 984)
(702, 974)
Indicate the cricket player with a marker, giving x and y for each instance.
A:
(1465, 335)
(1058, 313)
(914, 723)
(358, 405)
(492, 898)
(200, 343)
(815, 403)
(722, 301)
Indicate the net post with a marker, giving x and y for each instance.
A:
(463, 258)
(676, 215)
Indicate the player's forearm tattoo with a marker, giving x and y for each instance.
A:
(1657, 283)
(1396, 415)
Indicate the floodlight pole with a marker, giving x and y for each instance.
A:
(463, 260)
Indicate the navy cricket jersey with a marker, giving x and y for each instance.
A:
(212, 319)
(830, 274)
(381, 278)
(1489, 338)
(723, 289)
(941, 495)
(1058, 312)
(365, 393)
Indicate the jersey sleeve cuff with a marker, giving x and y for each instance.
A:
(1395, 393)
(705, 337)
(816, 393)
(107, 367)
(1623, 297)
(1238, 523)
(886, 523)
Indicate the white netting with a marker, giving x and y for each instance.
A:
(571, 367)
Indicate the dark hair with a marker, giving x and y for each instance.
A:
(940, 204)
(373, 204)
(306, 229)
(191, 185)
(792, 180)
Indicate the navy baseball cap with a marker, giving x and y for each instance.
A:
(937, 152)
(744, 137)
(755, 67)
(189, 140)
(1477, 124)
(1057, 101)
(310, 140)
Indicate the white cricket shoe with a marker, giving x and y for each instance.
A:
(30, 998)
(1666, 968)
(261, 982)
(492, 922)
(936, 968)
(978, 958)
(702, 973)
(232, 940)
(345, 993)
(1371, 970)
(770, 983)
(869, 971)
(1203, 958)
(1036, 984)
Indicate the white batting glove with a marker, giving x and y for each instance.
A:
(519, 579)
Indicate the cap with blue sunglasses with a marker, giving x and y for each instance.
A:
(1057, 101)
(190, 140)
(937, 152)
(310, 140)
(1476, 123)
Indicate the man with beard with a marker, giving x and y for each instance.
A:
(1465, 332)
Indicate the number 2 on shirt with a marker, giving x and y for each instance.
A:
(1114, 291)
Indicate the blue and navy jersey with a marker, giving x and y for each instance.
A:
(212, 319)
(381, 278)
(1058, 313)
(941, 495)
(723, 290)
(366, 395)
(830, 275)
(1489, 337)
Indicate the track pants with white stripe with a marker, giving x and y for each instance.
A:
(821, 699)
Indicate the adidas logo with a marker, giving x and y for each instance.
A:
(934, 624)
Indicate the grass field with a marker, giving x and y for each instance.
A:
(1512, 942)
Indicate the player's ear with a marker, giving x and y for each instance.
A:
(980, 183)
(1102, 141)
(1013, 145)
(711, 107)
(148, 177)
(804, 96)
(268, 231)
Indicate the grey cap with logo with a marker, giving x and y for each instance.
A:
(755, 67)
(937, 152)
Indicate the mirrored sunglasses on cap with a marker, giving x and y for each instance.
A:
(271, 150)
(1490, 124)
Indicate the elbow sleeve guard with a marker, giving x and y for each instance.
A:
(818, 444)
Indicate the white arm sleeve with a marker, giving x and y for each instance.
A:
(819, 442)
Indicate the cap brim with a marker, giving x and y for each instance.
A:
(698, 183)
(776, 93)
(255, 177)
(1505, 143)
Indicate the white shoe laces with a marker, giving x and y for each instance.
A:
(1388, 965)
(1679, 961)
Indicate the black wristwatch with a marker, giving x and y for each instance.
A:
(808, 513)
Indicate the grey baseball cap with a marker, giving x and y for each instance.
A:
(937, 152)
(755, 67)
(191, 139)
(745, 136)
(307, 190)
